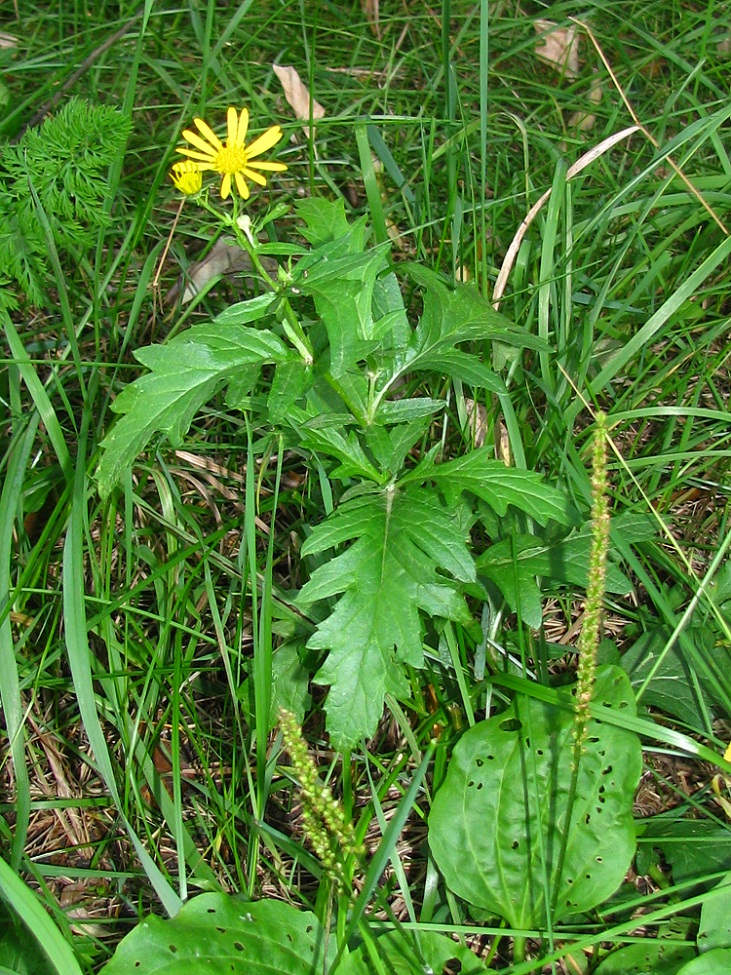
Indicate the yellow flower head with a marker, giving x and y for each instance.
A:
(234, 158)
(187, 177)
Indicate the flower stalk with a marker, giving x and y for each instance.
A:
(591, 630)
(330, 835)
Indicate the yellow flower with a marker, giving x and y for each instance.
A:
(187, 177)
(234, 158)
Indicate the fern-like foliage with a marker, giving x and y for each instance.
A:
(58, 170)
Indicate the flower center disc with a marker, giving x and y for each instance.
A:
(230, 160)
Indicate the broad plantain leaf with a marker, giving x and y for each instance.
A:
(649, 958)
(501, 818)
(386, 578)
(184, 375)
(404, 954)
(717, 961)
(715, 926)
(219, 934)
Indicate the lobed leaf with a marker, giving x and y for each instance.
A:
(392, 573)
(513, 564)
(499, 486)
(184, 375)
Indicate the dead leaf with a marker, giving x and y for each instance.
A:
(477, 415)
(224, 258)
(559, 47)
(583, 121)
(303, 104)
(370, 12)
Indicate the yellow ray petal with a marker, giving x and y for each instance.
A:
(197, 155)
(208, 132)
(232, 126)
(254, 177)
(269, 167)
(243, 188)
(195, 140)
(226, 187)
(265, 141)
(243, 127)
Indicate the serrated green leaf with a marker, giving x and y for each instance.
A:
(184, 375)
(462, 365)
(243, 312)
(514, 773)
(406, 410)
(513, 564)
(344, 447)
(325, 220)
(291, 381)
(387, 577)
(390, 447)
(462, 314)
(218, 934)
(499, 486)
(290, 684)
(388, 301)
(342, 282)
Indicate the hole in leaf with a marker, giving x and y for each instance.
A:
(221, 930)
(479, 786)
(527, 742)
(511, 724)
(515, 844)
(210, 910)
(137, 964)
(599, 859)
(289, 937)
(593, 739)
(173, 948)
(238, 946)
(491, 758)
(607, 770)
(587, 818)
(479, 763)
(471, 784)
(539, 751)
